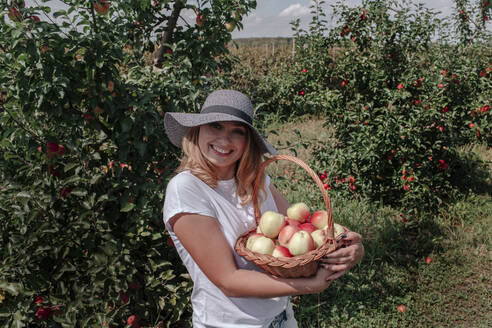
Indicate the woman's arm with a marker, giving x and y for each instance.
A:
(203, 239)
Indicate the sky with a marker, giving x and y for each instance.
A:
(272, 18)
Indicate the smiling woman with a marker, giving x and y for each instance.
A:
(208, 206)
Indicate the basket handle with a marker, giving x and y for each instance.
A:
(313, 175)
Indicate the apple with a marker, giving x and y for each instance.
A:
(292, 222)
(230, 26)
(319, 237)
(428, 260)
(281, 251)
(338, 229)
(251, 240)
(271, 223)
(200, 20)
(401, 308)
(286, 233)
(237, 14)
(299, 212)
(263, 245)
(319, 219)
(14, 14)
(101, 6)
(301, 243)
(309, 227)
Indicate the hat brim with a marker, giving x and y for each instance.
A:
(177, 124)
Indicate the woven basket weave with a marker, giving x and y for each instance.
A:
(304, 265)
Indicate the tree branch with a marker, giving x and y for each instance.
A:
(168, 33)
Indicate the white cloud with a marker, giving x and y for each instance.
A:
(295, 10)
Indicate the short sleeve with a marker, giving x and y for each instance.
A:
(186, 193)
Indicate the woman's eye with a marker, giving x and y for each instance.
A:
(240, 132)
(215, 125)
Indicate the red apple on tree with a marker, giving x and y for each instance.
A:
(101, 6)
(301, 243)
(299, 212)
(230, 26)
(200, 20)
(271, 223)
(14, 14)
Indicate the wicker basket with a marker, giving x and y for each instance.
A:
(298, 266)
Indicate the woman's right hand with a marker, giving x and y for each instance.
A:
(320, 281)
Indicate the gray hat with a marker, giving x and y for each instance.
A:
(220, 105)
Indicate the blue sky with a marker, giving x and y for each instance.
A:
(272, 17)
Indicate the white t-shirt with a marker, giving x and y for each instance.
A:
(186, 193)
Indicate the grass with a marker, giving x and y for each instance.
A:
(453, 290)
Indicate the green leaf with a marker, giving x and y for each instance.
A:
(10, 287)
(70, 166)
(79, 192)
(127, 207)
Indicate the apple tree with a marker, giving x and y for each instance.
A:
(84, 157)
(403, 93)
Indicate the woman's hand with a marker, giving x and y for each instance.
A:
(344, 258)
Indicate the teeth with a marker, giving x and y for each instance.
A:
(220, 150)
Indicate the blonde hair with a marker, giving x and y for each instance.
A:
(246, 168)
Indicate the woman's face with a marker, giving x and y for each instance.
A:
(223, 144)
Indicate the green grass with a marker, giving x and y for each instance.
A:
(453, 290)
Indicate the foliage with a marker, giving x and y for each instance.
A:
(85, 160)
(398, 116)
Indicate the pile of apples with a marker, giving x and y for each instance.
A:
(296, 234)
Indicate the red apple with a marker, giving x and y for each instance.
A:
(309, 227)
(271, 223)
(401, 308)
(230, 26)
(200, 20)
(101, 6)
(251, 239)
(14, 14)
(292, 222)
(281, 251)
(286, 233)
(299, 212)
(319, 237)
(428, 260)
(319, 219)
(263, 245)
(301, 243)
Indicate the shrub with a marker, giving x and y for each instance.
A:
(400, 101)
(85, 160)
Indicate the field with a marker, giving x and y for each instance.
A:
(440, 270)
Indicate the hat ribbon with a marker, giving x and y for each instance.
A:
(228, 110)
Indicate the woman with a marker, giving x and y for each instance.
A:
(208, 206)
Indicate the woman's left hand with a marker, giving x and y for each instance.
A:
(344, 258)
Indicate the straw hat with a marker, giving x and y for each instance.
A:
(220, 105)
